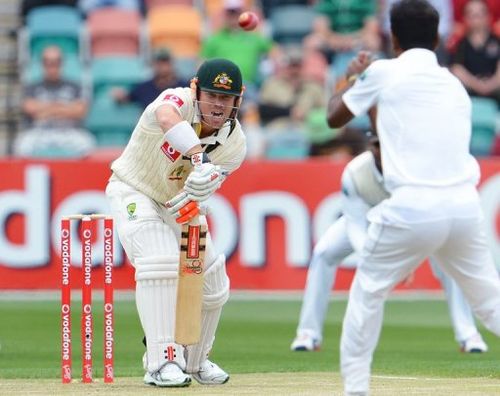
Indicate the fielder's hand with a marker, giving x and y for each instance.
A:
(182, 208)
(359, 64)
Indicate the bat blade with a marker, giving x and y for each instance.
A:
(190, 283)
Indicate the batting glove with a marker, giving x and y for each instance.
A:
(204, 180)
(182, 208)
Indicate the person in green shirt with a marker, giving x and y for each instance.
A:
(345, 25)
(245, 48)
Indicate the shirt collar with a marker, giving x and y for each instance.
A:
(420, 55)
(217, 137)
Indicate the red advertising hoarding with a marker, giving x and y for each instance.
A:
(265, 218)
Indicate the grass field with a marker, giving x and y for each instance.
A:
(416, 355)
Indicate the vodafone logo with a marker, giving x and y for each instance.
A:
(174, 99)
(171, 153)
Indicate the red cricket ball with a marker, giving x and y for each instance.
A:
(248, 20)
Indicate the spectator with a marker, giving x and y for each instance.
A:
(54, 109)
(476, 61)
(288, 97)
(345, 26)
(164, 76)
(246, 49)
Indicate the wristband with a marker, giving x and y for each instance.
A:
(199, 158)
(181, 137)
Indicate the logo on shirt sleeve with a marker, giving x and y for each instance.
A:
(173, 99)
(171, 153)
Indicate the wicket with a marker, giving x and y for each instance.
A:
(86, 316)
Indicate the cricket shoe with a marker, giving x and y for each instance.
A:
(474, 344)
(305, 342)
(169, 375)
(210, 374)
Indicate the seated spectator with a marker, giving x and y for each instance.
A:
(476, 61)
(87, 6)
(345, 26)
(54, 109)
(246, 49)
(287, 97)
(164, 77)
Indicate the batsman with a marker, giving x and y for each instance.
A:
(186, 142)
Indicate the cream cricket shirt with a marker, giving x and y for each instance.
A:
(424, 126)
(157, 171)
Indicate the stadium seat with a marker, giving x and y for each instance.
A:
(185, 68)
(28, 5)
(114, 31)
(112, 123)
(53, 25)
(158, 3)
(71, 70)
(182, 33)
(285, 145)
(291, 23)
(484, 115)
(116, 71)
(89, 6)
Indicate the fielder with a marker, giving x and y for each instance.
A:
(363, 188)
(154, 188)
(423, 118)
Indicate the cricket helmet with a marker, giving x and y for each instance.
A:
(220, 76)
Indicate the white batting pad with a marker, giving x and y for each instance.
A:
(156, 293)
(215, 295)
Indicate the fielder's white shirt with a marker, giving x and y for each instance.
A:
(424, 126)
(160, 173)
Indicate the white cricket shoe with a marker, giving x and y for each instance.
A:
(211, 374)
(474, 344)
(305, 342)
(170, 375)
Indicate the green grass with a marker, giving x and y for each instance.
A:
(254, 336)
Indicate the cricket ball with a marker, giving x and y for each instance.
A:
(248, 20)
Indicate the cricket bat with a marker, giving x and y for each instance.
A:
(190, 283)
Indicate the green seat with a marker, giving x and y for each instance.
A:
(110, 122)
(116, 71)
(287, 145)
(484, 115)
(54, 25)
(71, 70)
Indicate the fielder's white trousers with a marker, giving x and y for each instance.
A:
(390, 253)
(331, 249)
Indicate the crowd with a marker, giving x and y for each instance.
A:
(288, 77)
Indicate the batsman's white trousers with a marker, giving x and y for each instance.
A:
(148, 230)
(390, 253)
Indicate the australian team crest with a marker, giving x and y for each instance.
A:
(222, 80)
(131, 210)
